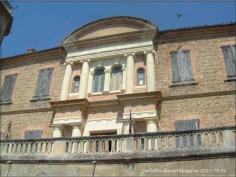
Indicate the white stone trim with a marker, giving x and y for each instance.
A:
(138, 115)
(67, 120)
(102, 125)
(110, 50)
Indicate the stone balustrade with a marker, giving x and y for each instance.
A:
(118, 147)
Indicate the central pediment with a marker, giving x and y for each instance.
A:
(109, 27)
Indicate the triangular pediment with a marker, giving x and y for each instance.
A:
(109, 27)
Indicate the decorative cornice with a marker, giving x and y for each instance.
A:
(143, 95)
(106, 54)
(198, 95)
(82, 102)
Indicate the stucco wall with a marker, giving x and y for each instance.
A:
(207, 167)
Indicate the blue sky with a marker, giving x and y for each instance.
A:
(43, 25)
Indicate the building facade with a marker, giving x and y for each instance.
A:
(118, 77)
(6, 19)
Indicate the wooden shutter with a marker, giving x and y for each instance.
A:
(186, 66)
(175, 67)
(43, 83)
(7, 89)
(230, 59)
(182, 125)
(34, 134)
(181, 66)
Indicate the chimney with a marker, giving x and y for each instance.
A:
(30, 50)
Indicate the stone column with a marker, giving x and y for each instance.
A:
(57, 132)
(151, 126)
(107, 79)
(130, 73)
(124, 78)
(76, 131)
(84, 80)
(66, 82)
(150, 71)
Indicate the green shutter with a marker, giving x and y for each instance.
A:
(8, 87)
(43, 83)
(230, 60)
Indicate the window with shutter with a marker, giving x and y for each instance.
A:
(7, 88)
(183, 125)
(75, 85)
(230, 59)
(43, 84)
(98, 80)
(181, 66)
(33, 134)
(116, 78)
(192, 124)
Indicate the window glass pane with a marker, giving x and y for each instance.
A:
(116, 78)
(141, 76)
(7, 88)
(75, 85)
(98, 80)
(230, 59)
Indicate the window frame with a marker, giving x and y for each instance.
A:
(45, 97)
(182, 81)
(222, 60)
(195, 65)
(96, 70)
(73, 84)
(112, 75)
(13, 88)
(137, 76)
(33, 131)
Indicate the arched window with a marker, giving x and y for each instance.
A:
(75, 84)
(140, 76)
(98, 80)
(116, 78)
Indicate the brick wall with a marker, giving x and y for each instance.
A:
(212, 99)
(24, 113)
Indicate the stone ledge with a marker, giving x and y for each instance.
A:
(123, 157)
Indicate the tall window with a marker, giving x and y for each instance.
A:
(7, 88)
(181, 66)
(43, 84)
(75, 84)
(230, 59)
(98, 80)
(140, 76)
(34, 134)
(116, 78)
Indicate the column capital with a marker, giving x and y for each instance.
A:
(69, 63)
(149, 51)
(85, 60)
(107, 70)
(129, 54)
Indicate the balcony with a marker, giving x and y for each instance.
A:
(135, 147)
